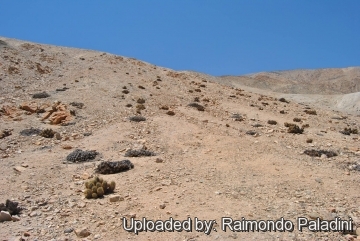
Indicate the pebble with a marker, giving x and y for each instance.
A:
(159, 160)
(162, 206)
(68, 230)
(15, 218)
(81, 205)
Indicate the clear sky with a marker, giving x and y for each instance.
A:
(222, 37)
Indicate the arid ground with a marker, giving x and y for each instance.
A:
(227, 154)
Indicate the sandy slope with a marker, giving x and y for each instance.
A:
(211, 168)
(335, 89)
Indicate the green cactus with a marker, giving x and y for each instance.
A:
(112, 186)
(94, 189)
(101, 179)
(104, 185)
(100, 192)
(98, 184)
(94, 195)
(88, 193)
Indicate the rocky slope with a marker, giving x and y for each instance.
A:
(228, 154)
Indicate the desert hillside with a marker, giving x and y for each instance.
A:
(336, 89)
(196, 145)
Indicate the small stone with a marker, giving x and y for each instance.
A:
(67, 147)
(159, 160)
(68, 230)
(26, 234)
(116, 198)
(162, 206)
(19, 169)
(5, 216)
(81, 205)
(15, 218)
(323, 156)
(33, 214)
(314, 216)
(318, 180)
(82, 233)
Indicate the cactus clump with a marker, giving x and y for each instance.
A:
(47, 133)
(98, 187)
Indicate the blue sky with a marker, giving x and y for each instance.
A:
(223, 37)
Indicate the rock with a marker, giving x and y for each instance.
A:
(68, 230)
(116, 198)
(15, 218)
(31, 107)
(33, 214)
(19, 169)
(26, 234)
(81, 205)
(162, 206)
(159, 160)
(314, 216)
(82, 233)
(67, 147)
(5, 216)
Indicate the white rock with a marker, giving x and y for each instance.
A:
(82, 233)
(5, 216)
(116, 198)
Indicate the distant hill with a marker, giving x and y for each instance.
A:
(318, 81)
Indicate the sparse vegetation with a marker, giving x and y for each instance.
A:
(47, 133)
(11, 207)
(140, 101)
(296, 119)
(284, 100)
(305, 126)
(293, 128)
(310, 112)
(309, 140)
(78, 105)
(318, 153)
(5, 133)
(197, 106)
(348, 131)
(110, 167)
(137, 118)
(272, 122)
(81, 156)
(170, 112)
(138, 153)
(140, 107)
(41, 95)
